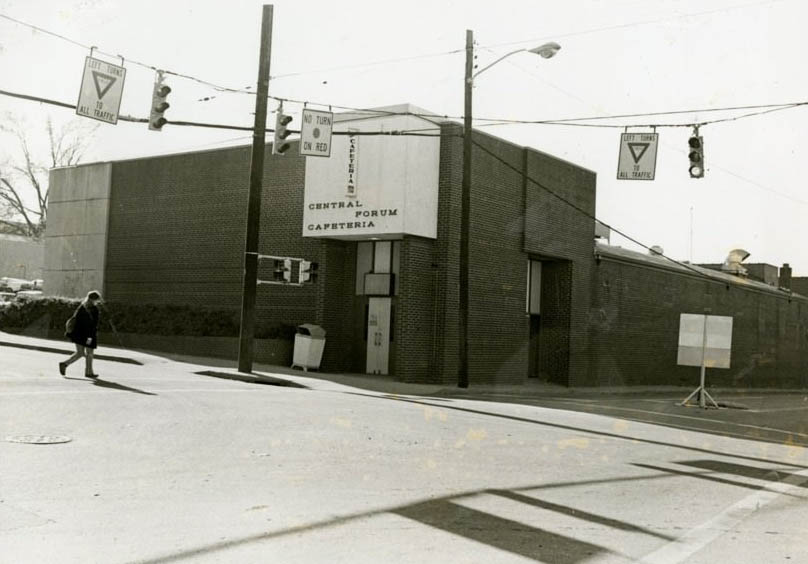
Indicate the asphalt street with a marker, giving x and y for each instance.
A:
(164, 464)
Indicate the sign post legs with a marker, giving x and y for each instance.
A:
(701, 390)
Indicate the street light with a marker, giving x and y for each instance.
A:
(546, 51)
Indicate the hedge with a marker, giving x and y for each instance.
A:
(170, 319)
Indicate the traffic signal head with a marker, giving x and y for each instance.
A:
(307, 272)
(283, 270)
(279, 146)
(159, 104)
(695, 153)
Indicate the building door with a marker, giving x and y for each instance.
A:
(534, 310)
(534, 348)
(378, 352)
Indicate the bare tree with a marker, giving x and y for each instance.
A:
(24, 169)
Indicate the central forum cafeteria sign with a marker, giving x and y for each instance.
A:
(101, 90)
(637, 160)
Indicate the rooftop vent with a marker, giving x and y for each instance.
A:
(656, 250)
(732, 263)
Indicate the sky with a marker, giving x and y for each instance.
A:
(618, 57)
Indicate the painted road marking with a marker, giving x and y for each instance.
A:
(697, 538)
(657, 413)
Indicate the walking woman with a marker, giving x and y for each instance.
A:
(84, 334)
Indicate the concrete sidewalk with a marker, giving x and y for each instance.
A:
(532, 389)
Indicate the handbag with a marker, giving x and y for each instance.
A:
(70, 324)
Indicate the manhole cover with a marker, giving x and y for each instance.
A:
(39, 439)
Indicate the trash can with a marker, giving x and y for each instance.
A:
(309, 344)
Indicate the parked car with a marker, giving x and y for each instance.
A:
(28, 294)
(9, 284)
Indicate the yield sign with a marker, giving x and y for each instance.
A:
(637, 159)
(101, 90)
(103, 82)
(638, 150)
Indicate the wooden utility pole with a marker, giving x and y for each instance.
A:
(465, 217)
(245, 351)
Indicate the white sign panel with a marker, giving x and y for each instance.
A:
(101, 90)
(374, 186)
(315, 133)
(353, 166)
(705, 339)
(637, 160)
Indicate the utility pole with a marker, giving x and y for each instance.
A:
(245, 351)
(465, 216)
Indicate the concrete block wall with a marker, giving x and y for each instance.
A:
(21, 257)
(76, 234)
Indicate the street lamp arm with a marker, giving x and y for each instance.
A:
(485, 68)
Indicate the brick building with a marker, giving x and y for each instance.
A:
(381, 219)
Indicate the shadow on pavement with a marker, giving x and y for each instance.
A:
(505, 534)
(701, 476)
(768, 474)
(445, 514)
(111, 385)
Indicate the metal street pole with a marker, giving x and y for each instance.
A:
(247, 330)
(465, 211)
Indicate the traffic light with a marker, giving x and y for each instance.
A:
(307, 272)
(159, 104)
(279, 146)
(696, 154)
(283, 270)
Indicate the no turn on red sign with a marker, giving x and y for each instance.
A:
(637, 160)
(315, 133)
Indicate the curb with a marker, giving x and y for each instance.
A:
(121, 359)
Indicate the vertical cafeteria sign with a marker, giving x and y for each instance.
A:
(353, 154)
(101, 90)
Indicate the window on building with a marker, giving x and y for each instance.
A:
(378, 257)
(533, 302)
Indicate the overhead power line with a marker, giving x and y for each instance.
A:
(583, 211)
(631, 24)
(413, 133)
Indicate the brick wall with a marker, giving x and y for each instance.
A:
(635, 326)
(176, 234)
(799, 284)
(416, 321)
(512, 219)
(555, 231)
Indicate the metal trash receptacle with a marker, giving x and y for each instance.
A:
(309, 345)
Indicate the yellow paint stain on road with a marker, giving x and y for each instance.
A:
(620, 426)
(476, 434)
(575, 442)
(431, 412)
(341, 422)
(431, 464)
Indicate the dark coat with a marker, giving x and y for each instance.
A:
(86, 326)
